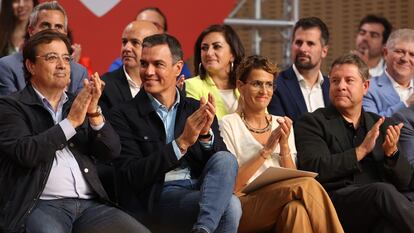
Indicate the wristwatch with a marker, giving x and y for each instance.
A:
(95, 114)
(206, 136)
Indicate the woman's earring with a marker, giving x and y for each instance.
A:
(231, 66)
(199, 67)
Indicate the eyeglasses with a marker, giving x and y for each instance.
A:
(54, 57)
(257, 85)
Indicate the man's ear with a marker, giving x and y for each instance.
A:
(325, 49)
(179, 65)
(385, 51)
(366, 86)
(30, 31)
(30, 67)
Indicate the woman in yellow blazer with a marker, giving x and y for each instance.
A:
(217, 53)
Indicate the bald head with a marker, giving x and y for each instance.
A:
(132, 37)
(155, 16)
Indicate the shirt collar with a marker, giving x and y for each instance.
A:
(129, 79)
(158, 105)
(63, 99)
(302, 79)
(351, 124)
(377, 70)
(394, 83)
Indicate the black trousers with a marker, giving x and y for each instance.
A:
(373, 208)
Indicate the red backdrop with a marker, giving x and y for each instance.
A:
(100, 37)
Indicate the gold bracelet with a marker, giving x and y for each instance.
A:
(284, 155)
(262, 152)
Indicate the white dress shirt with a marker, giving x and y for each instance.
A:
(403, 92)
(133, 86)
(313, 95)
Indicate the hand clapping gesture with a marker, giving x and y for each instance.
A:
(86, 101)
(391, 139)
(198, 123)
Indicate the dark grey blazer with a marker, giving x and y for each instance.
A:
(116, 90)
(323, 147)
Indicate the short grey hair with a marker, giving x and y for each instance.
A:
(53, 5)
(399, 35)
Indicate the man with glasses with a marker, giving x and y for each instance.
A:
(302, 87)
(47, 15)
(393, 90)
(49, 142)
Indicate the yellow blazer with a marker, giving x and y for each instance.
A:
(196, 88)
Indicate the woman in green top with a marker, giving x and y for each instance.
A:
(217, 53)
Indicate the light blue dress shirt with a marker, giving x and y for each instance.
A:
(167, 117)
(65, 178)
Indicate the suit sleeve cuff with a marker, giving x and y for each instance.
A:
(177, 150)
(67, 128)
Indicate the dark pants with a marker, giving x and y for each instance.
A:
(373, 208)
(80, 216)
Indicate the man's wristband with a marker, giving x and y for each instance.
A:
(393, 153)
(206, 136)
(95, 114)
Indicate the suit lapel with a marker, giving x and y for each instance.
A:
(179, 118)
(122, 84)
(337, 126)
(293, 88)
(387, 88)
(325, 91)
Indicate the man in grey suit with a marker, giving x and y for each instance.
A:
(48, 15)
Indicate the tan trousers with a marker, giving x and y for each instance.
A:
(298, 205)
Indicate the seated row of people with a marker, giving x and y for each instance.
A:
(169, 163)
(174, 172)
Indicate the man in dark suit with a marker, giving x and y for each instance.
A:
(175, 172)
(356, 154)
(302, 87)
(124, 83)
(49, 141)
(47, 15)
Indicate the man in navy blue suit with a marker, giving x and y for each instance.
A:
(302, 87)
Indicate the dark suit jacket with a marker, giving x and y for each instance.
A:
(29, 140)
(116, 90)
(323, 147)
(288, 99)
(145, 156)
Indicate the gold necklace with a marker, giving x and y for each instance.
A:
(255, 130)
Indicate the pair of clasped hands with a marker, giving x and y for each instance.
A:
(198, 123)
(87, 102)
(390, 142)
(280, 135)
